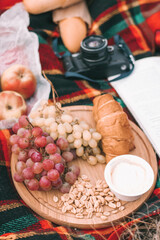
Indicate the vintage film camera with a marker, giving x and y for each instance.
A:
(97, 60)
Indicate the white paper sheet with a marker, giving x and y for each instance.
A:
(18, 45)
(141, 93)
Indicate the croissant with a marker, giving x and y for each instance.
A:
(113, 124)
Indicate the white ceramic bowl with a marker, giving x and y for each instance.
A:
(129, 176)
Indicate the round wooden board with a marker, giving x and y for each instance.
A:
(42, 202)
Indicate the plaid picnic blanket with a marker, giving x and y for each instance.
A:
(137, 22)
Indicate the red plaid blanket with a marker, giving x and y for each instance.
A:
(136, 21)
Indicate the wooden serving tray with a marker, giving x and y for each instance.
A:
(42, 202)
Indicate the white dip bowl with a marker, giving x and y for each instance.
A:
(129, 177)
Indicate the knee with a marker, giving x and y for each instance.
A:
(34, 6)
(29, 6)
(73, 31)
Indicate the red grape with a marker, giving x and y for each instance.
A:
(59, 167)
(27, 133)
(70, 178)
(20, 166)
(48, 164)
(44, 173)
(63, 161)
(37, 131)
(49, 139)
(23, 156)
(57, 184)
(15, 127)
(53, 174)
(37, 167)
(23, 142)
(45, 183)
(68, 156)
(33, 184)
(75, 169)
(21, 132)
(28, 173)
(62, 143)
(65, 188)
(36, 156)
(13, 139)
(15, 149)
(45, 134)
(56, 158)
(29, 162)
(18, 177)
(51, 148)
(73, 151)
(32, 150)
(23, 121)
(58, 150)
(40, 141)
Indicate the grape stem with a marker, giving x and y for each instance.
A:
(29, 122)
(53, 89)
(53, 92)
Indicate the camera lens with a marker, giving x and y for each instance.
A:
(94, 47)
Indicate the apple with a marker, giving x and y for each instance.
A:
(19, 78)
(12, 105)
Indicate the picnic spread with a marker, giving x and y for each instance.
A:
(137, 23)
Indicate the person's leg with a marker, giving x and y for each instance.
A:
(73, 24)
(72, 16)
(73, 31)
(41, 6)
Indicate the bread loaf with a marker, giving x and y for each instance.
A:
(113, 124)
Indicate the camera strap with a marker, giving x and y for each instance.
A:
(119, 42)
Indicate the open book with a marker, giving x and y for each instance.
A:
(141, 93)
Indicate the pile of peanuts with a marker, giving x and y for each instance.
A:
(85, 200)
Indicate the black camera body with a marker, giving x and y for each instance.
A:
(97, 60)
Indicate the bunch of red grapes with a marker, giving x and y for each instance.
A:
(41, 162)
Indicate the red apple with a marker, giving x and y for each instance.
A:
(19, 78)
(12, 105)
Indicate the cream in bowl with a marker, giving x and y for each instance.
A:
(129, 176)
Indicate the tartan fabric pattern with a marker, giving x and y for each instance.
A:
(136, 21)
